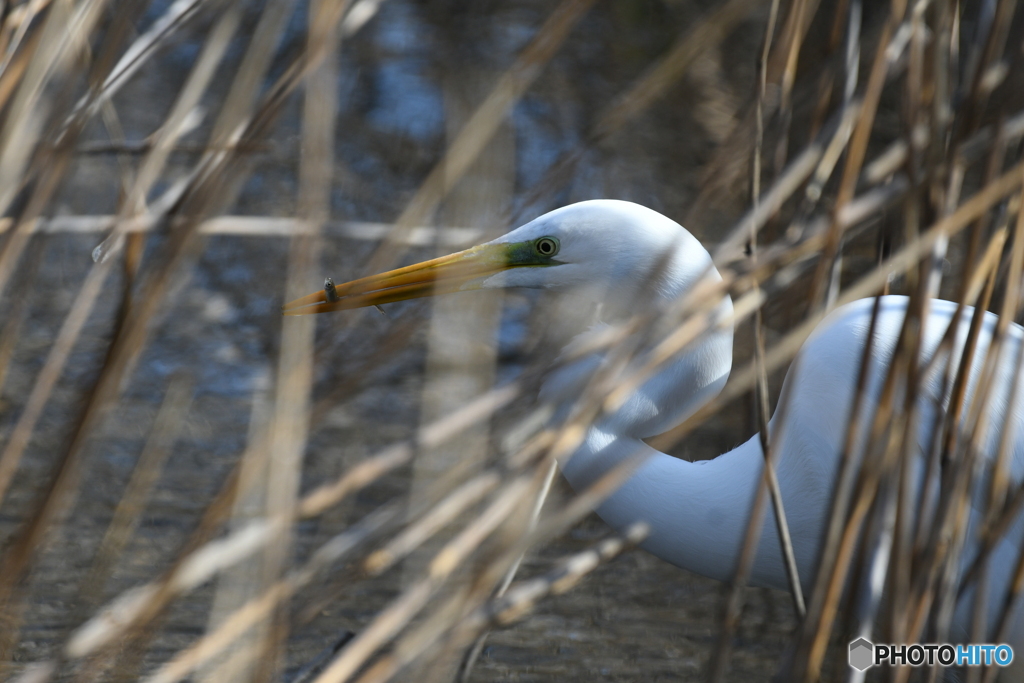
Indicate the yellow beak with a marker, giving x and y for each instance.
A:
(452, 273)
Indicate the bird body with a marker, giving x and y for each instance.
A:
(616, 253)
(698, 511)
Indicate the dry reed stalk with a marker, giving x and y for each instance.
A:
(18, 311)
(390, 621)
(898, 263)
(976, 409)
(704, 293)
(725, 170)
(934, 589)
(176, 125)
(14, 70)
(997, 154)
(501, 610)
(399, 336)
(944, 604)
(999, 483)
(148, 607)
(237, 584)
(820, 604)
(640, 95)
(480, 128)
(668, 70)
(762, 393)
(733, 603)
(256, 226)
(258, 608)
(165, 430)
(15, 28)
(238, 622)
(880, 453)
(429, 524)
(858, 146)
(990, 261)
(315, 666)
(848, 15)
(203, 563)
(523, 596)
(440, 504)
(144, 48)
(473, 652)
(415, 598)
(62, 37)
(974, 463)
(131, 337)
(926, 176)
(771, 479)
(801, 13)
(49, 61)
(89, 293)
(462, 333)
(898, 509)
(1000, 512)
(289, 428)
(64, 482)
(953, 434)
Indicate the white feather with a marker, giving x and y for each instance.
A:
(698, 511)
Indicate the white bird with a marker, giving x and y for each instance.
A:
(614, 252)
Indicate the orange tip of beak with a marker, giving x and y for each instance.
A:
(308, 300)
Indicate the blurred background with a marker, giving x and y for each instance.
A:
(172, 173)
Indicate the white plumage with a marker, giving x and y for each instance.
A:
(610, 255)
(698, 511)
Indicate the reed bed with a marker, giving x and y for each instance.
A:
(875, 149)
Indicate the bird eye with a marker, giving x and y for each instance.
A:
(546, 246)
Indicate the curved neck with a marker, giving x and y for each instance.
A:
(697, 511)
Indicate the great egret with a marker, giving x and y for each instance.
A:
(615, 252)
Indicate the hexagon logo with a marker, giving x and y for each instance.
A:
(862, 654)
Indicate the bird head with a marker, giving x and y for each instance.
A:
(619, 250)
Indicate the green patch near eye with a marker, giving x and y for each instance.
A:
(538, 252)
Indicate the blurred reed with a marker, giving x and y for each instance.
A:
(947, 175)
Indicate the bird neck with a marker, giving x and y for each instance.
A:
(697, 511)
(676, 390)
